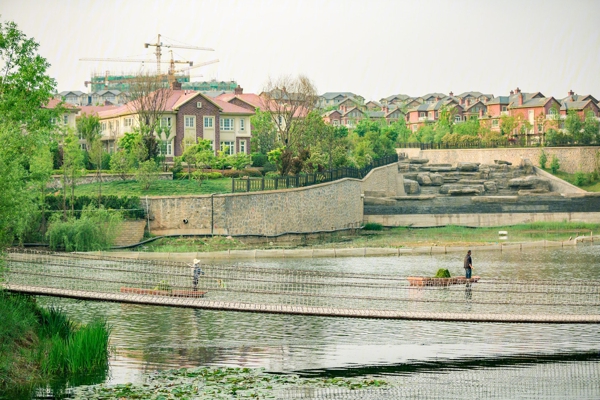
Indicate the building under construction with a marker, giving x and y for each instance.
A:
(121, 82)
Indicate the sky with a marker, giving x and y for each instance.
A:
(375, 48)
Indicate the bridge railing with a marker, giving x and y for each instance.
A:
(258, 286)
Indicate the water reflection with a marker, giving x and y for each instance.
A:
(151, 338)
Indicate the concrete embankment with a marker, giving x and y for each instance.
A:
(343, 252)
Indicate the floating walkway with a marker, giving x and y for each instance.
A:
(299, 292)
(186, 302)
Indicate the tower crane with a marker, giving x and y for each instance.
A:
(172, 71)
(159, 45)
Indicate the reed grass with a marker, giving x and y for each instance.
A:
(38, 345)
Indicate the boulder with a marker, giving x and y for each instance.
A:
(530, 182)
(467, 167)
(411, 187)
(490, 186)
(436, 179)
(447, 188)
(526, 166)
(411, 175)
(441, 169)
(529, 192)
(502, 162)
(418, 160)
(424, 179)
(464, 192)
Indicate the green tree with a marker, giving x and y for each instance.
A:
(24, 85)
(72, 167)
(543, 159)
(590, 132)
(204, 153)
(555, 164)
(88, 127)
(508, 123)
(120, 163)
(574, 125)
(147, 173)
(24, 88)
(41, 171)
(264, 132)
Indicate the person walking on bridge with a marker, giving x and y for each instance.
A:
(197, 271)
(468, 265)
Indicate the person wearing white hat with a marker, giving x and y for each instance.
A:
(197, 271)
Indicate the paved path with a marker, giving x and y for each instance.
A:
(200, 303)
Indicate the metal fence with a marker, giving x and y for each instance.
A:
(487, 144)
(248, 184)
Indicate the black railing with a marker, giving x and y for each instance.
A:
(488, 144)
(248, 184)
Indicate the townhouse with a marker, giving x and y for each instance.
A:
(187, 116)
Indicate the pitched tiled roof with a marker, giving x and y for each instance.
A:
(53, 103)
(499, 100)
(531, 102)
(94, 110)
(328, 113)
(574, 105)
(103, 92)
(75, 92)
(580, 97)
(333, 95)
(176, 100)
(250, 98)
(474, 94)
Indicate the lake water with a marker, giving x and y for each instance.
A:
(423, 359)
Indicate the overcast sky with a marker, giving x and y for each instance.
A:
(374, 48)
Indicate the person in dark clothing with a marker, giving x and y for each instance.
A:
(197, 271)
(468, 265)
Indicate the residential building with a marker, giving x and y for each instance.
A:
(429, 113)
(189, 116)
(67, 119)
(334, 98)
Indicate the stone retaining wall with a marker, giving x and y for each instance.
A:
(56, 180)
(132, 232)
(328, 206)
(571, 159)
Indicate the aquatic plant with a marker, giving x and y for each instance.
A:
(219, 383)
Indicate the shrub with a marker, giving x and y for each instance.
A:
(442, 273)
(373, 226)
(97, 229)
(580, 179)
(554, 165)
(259, 159)
(252, 172)
(147, 174)
(543, 160)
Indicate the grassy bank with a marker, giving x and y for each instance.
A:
(39, 345)
(387, 237)
(588, 182)
(158, 188)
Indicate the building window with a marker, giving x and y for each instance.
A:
(336, 122)
(457, 118)
(209, 122)
(504, 108)
(110, 99)
(65, 119)
(415, 127)
(226, 124)
(242, 124)
(103, 126)
(227, 147)
(540, 128)
(165, 148)
(190, 121)
(127, 122)
(422, 114)
(242, 146)
(165, 122)
(279, 120)
(495, 123)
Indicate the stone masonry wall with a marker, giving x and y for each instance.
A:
(572, 159)
(329, 206)
(384, 179)
(131, 232)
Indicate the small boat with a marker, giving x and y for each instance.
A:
(427, 281)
